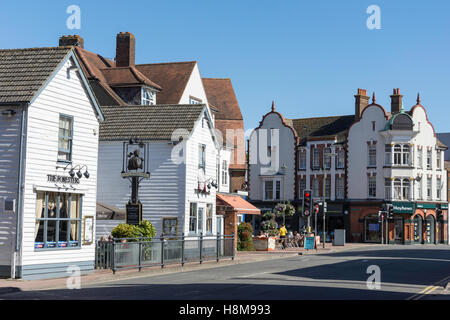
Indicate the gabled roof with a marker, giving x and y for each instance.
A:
(152, 122)
(220, 93)
(23, 72)
(172, 77)
(336, 126)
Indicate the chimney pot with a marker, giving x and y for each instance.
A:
(125, 49)
(396, 102)
(71, 40)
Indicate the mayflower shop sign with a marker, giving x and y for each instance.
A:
(403, 207)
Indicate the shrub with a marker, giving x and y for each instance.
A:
(145, 230)
(245, 239)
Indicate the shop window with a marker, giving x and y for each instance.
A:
(209, 218)
(65, 137)
(58, 220)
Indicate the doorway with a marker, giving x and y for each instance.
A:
(418, 234)
(430, 229)
(398, 230)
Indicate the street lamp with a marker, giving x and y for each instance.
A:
(324, 187)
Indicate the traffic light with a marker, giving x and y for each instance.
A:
(381, 216)
(307, 203)
(316, 208)
(438, 211)
(390, 210)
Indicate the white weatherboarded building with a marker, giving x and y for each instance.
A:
(176, 198)
(49, 126)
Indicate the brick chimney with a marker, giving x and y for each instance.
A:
(73, 40)
(396, 101)
(125, 49)
(361, 102)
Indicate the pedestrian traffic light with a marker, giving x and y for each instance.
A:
(316, 208)
(307, 203)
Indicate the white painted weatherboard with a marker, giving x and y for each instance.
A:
(64, 94)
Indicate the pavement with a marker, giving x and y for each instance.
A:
(99, 276)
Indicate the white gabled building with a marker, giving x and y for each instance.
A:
(48, 134)
(179, 197)
(395, 157)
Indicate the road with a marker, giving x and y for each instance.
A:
(406, 272)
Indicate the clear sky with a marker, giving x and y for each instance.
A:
(308, 56)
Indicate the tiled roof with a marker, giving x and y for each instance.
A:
(172, 77)
(236, 203)
(154, 122)
(220, 93)
(126, 77)
(322, 127)
(24, 71)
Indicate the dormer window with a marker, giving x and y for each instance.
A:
(194, 100)
(148, 97)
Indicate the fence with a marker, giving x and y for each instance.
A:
(127, 253)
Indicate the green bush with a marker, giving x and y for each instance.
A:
(145, 230)
(245, 239)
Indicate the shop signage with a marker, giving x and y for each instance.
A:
(403, 207)
(133, 213)
(309, 243)
(444, 206)
(426, 206)
(62, 179)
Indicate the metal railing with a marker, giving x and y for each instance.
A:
(126, 253)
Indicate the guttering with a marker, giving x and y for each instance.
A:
(20, 185)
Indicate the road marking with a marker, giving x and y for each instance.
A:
(437, 285)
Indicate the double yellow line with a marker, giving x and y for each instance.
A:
(429, 289)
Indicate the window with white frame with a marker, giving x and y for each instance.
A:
(201, 213)
(406, 183)
(316, 158)
(315, 187)
(327, 158)
(268, 190)
(301, 186)
(372, 187)
(58, 220)
(429, 160)
(372, 156)
(429, 188)
(419, 158)
(387, 154)
(193, 100)
(302, 160)
(340, 159)
(402, 155)
(272, 190)
(397, 189)
(419, 189)
(388, 188)
(224, 172)
(328, 187)
(148, 97)
(209, 218)
(438, 159)
(65, 138)
(340, 188)
(438, 188)
(193, 218)
(202, 157)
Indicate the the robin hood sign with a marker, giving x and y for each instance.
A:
(62, 179)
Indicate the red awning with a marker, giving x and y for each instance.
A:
(237, 204)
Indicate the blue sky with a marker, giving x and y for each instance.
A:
(308, 56)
